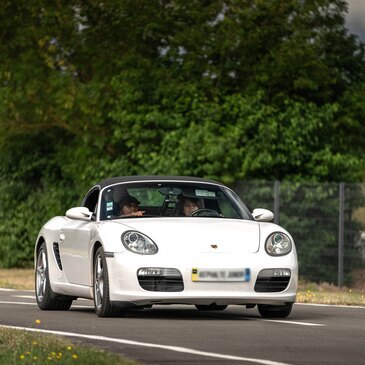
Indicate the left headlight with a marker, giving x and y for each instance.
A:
(138, 243)
(278, 244)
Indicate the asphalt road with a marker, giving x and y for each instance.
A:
(182, 335)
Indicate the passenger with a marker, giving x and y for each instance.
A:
(190, 205)
(129, 207)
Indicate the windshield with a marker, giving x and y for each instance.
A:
(170, 199)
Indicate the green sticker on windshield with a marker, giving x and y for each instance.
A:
(109, 206)
(205, 193)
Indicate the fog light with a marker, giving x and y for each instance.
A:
(158, 271)
(281, 272)
(149, 272)
(268, 273)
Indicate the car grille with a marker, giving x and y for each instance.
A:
(56, 251)
(271, 284)
(161, 284)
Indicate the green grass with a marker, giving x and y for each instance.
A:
(21, 347)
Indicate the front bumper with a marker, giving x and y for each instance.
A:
(125, 290)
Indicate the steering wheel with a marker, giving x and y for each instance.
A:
(204, 213)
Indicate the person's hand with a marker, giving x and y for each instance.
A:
(137, 214)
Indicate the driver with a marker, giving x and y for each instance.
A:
(129, 207)
(190, 205)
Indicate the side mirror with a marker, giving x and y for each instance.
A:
(263, 215)
(80, 213)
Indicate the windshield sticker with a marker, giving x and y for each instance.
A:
(109, 206)
(205, 193)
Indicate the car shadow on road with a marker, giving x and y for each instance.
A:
(168, 313)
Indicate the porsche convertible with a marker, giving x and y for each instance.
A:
(137, 241)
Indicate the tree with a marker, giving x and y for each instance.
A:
(224, 89)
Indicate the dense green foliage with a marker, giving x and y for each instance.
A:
(235, 89)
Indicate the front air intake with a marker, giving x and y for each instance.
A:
(160, 279)
(272, 280)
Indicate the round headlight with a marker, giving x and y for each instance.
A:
(139, 243)
(278, 244)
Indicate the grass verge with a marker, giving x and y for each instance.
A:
(21, 347)
(17, 279)
(325, 293)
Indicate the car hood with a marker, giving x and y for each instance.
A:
(204, 235)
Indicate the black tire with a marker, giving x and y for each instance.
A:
(275, 311)
(210, 307)
(46, 298)
(103, 306)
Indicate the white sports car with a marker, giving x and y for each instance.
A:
(137, 241)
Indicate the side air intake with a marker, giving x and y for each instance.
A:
(56, 251)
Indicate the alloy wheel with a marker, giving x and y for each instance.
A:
(99, 281)
(41, 279)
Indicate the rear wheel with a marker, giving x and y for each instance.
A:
(210, 307)
(103, 306)
(46, 298)
(275, 311)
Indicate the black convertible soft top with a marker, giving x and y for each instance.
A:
(123, 179)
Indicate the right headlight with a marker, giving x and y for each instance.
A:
(278, 244)
(137, 242)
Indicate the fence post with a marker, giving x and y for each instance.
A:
(277, 202)
(341, 224)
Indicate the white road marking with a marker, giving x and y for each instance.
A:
(333, 305)
(153, 345)
(286, 322)
(22, 303)
(24, 296)
(292, 322)
(82, 306)
(7, 289)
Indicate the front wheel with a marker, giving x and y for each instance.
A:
(46, 298)
(103, 306)
(275, 311)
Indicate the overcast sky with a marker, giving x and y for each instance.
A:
(356, 18)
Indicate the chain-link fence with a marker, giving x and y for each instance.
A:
(326, 220)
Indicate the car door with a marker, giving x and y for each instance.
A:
(75, 244)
